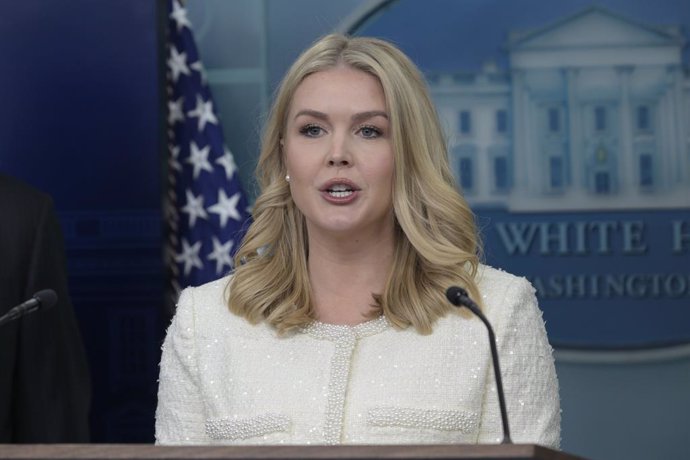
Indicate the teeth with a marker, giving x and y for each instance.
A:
(342, 194)
(339, 188)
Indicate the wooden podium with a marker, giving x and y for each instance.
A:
(417, 452)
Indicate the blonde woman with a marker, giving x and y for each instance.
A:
(334, 327)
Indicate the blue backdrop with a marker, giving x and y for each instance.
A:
(79, 120)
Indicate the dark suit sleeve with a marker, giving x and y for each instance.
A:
(52, 386)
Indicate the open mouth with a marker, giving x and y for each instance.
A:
(340, 191)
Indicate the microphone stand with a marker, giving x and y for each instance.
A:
(459, 297)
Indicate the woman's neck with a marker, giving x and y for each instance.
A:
(345, 273)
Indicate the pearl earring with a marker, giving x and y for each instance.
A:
(287, 178)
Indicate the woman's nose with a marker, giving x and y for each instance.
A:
(339, 154)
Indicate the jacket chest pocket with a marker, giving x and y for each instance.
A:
(431, 425)
(238, 429)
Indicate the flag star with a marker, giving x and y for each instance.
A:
(178, 63)
(175, 111)
(174, 158)
(199, 67)
(179, 15)
(203, 110)
(194, 207)
(227, 161)
(221, 254)
(226, 207)
(198, 158)
(189, 256)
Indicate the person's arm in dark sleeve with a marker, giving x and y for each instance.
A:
(52, 386)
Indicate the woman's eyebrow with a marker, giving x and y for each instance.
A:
(369, 114)
(311, 113)
(355, 118)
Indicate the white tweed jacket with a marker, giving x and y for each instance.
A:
(225, 381)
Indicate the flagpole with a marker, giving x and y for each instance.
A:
(165, 137)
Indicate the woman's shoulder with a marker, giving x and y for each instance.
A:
(211, 293)
(501, 290)
(205, 308)
(492, 280)
(491, 276)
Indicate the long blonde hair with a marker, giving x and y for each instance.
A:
(436, 241)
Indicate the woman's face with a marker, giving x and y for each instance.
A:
(339, 154)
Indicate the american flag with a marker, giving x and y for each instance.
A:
(206, 210)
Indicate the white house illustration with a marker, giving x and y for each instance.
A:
(594, 113)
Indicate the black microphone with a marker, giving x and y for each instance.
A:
(41, 300)
(459, 297)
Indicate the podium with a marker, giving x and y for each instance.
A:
(360, 452)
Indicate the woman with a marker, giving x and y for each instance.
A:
(334, 328)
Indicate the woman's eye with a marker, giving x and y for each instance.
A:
(311, 130)
(369, 132)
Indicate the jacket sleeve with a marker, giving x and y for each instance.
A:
(180, 413)
(528, 373)
(52, 388)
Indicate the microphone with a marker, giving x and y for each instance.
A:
(41, 300)
(459, 297)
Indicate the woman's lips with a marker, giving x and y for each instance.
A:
(339, 191)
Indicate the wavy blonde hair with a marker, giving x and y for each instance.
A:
(436, 241)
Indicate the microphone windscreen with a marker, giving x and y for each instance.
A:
(47, 298)
(454, 293)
